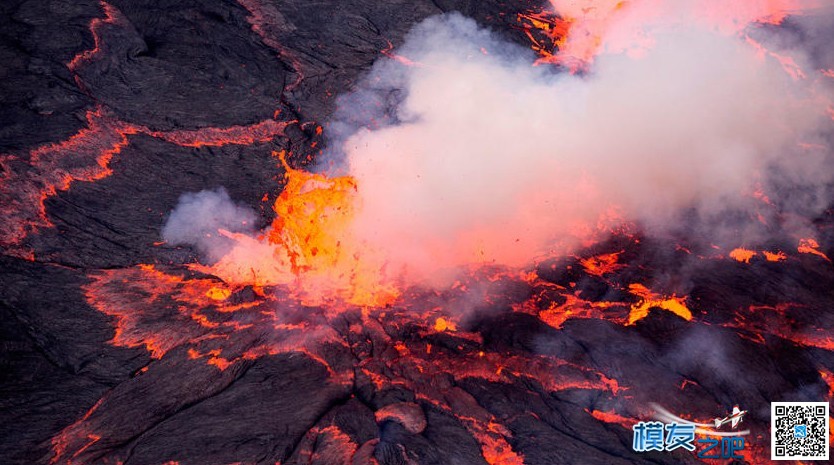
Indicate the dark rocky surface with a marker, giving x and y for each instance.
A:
(156, 85)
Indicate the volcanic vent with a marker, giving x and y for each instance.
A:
(409, 233)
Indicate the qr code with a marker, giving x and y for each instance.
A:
(799, 431)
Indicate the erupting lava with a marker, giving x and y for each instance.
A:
(309, 245)
(359, 237)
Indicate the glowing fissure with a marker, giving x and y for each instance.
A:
(26, 184)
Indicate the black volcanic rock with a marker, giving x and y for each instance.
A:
(183, 65)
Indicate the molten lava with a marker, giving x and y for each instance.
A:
(811, 246)
(674, 304)
(310, 245)
(601, 264)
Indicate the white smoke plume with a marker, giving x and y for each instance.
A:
(199, 218)
(479, 156)
(463, 152)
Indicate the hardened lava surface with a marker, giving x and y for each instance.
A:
(113, 351)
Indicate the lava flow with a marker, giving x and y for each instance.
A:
(170, 314)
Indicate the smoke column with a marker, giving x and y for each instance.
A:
(486, 158)
(461, 151)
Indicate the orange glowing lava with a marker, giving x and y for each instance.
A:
(777, 256)
(442, 324)
(601, 264)
(828, 377)
(161, 311)
(811, 246)
(388, 52)
(310, 248)
(742, 255)
(613, 418)
(85, 156)
(111, 16)
(310, 245)
(265, 20)
(546, 31)
(674, 304)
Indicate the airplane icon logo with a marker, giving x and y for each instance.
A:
(733, 419)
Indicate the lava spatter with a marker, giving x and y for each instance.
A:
(811, 246)
(546, 31)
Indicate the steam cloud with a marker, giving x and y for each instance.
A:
(463, 152)
(199, 217)
(482, 157)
